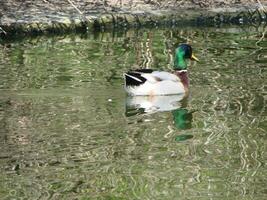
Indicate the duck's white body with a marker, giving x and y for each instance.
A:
(166, 87)
(148, 82)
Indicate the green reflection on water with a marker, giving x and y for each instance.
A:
(66, 130)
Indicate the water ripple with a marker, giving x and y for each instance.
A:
(68, 131)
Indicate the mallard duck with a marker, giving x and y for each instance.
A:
(150, 82)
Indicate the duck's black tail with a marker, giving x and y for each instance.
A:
(134, 79)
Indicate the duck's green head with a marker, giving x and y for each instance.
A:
(183, 52)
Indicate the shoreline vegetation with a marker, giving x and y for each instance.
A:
(51, 16)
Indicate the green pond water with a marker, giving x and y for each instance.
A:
(69, 131)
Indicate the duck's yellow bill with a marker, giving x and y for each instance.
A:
(193, 57)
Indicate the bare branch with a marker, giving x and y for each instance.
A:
(2, 30)
(75, 7)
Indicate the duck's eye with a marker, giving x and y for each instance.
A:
(188, 52)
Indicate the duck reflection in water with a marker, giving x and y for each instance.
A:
(176, 104)
(151, 104)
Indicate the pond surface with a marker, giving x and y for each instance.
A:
(68, 130)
